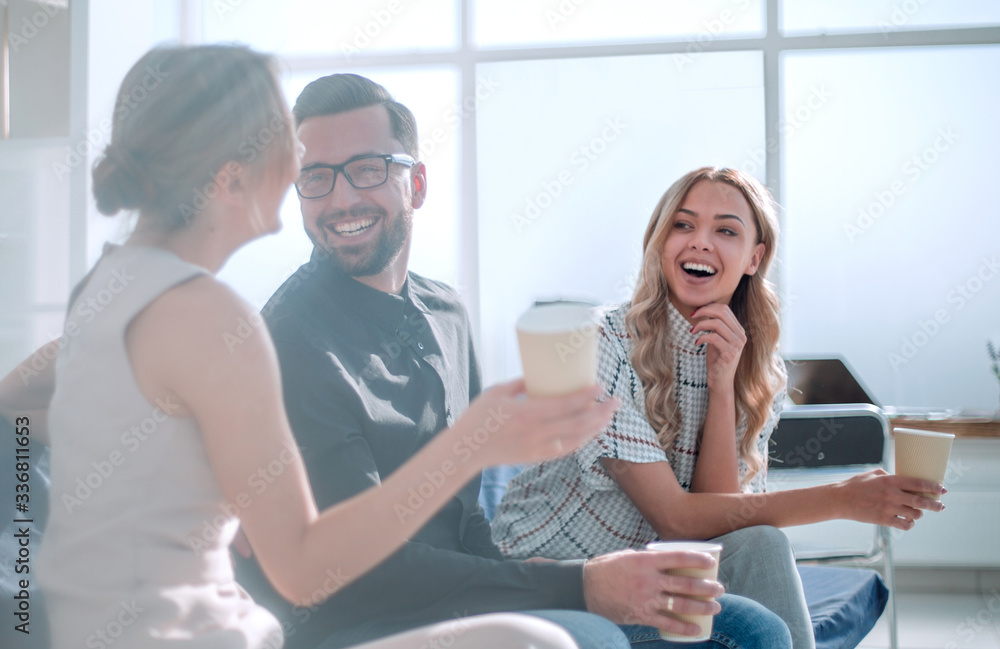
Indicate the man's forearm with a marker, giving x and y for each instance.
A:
(420, 580)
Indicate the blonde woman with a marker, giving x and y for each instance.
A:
(693, 358)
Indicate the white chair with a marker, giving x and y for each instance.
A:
(819, 444)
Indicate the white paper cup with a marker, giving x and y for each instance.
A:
(704, 622)
(922, 454)
(558, 344)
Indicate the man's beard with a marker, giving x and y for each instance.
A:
(384, 251)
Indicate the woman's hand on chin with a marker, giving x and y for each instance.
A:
(718, 328)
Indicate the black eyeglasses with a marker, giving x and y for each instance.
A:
(316, 181)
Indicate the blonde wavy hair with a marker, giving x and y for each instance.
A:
(759, 375)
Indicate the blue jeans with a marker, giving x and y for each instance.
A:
(742, 624)
(757, 563)
(590, 631)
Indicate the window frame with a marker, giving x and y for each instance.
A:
(773, 44)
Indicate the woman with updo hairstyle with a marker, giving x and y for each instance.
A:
(168, 430)
(218, 107)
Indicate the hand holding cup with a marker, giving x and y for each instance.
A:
(704, 622)
(922, 454)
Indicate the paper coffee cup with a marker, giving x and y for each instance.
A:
(922, 454)
(704, 622)
(558, 345)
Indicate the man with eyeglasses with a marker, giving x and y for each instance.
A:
(368, 240)
(376, 360)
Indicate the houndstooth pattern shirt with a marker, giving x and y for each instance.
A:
(570, 507)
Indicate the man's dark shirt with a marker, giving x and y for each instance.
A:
(370, 377)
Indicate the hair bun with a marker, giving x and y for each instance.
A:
(119, 182)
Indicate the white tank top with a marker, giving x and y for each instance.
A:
(135, 554)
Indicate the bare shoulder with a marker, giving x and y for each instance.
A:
(198, 332)
(204, 296)
(195, 316)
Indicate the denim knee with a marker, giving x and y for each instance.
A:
(742, 624)
(589, 630)
(758, 536)
(756, 546)
(745, 624)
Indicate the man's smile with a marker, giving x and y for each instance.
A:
(351, 228)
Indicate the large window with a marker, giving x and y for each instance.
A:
(332, 30)
(551, 128)
(892, 241)
(884, 16)
(529, 23)
(573, 154)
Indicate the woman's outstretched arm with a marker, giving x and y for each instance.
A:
(177, 348)
(872, 497)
